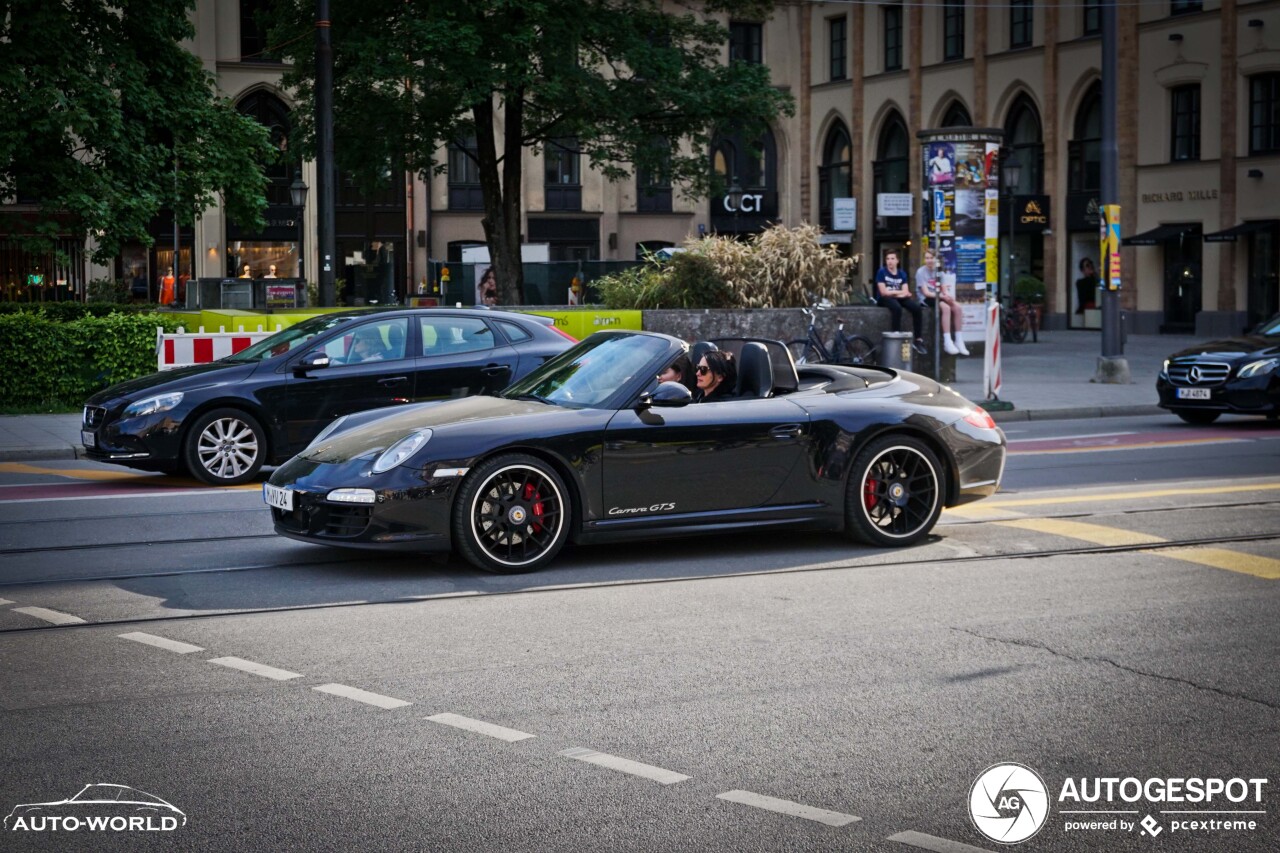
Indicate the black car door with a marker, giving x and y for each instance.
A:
(368, 368)
(459, 356)
(707, 456)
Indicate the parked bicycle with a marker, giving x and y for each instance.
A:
(1017, 319)
(843, 349)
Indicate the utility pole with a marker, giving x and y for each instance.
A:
(1113, 368)
(326, 239)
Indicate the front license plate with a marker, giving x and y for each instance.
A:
(1193, 393)
(277, 497)
(88, 439)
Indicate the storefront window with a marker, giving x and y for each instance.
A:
(259, 256)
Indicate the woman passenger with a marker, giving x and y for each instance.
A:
(680, 370)
(717, 376)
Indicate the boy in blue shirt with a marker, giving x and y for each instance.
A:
(893, 293)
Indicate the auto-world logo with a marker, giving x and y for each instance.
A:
(98, 808)
(1008, 803)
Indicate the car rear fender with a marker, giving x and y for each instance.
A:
(950, 472)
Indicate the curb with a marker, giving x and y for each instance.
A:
(29, 454)
(1077, 413)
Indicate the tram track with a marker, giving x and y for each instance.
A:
(1040, 554)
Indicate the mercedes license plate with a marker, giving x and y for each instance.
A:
(88, 439)
(1193, 393)
(277, 497)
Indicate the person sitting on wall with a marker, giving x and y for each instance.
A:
(893, 293)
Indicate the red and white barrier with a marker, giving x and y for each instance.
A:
(991, 378)
(182, 349)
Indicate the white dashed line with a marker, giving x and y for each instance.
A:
(256, 668)
(624, 765)
(375, 699)
(932, 842)
(6, 601)
(161, 643)
(787, 807)
(479, 727)
(51, 616)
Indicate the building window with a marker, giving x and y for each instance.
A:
(1264, 114)
(1092, 23)
(1020, 12)
(953, 30)
(1084, 153)
(464, 176)
(1184, 131)
(746, 42)
(562, 184)
(835, 175)
(956, 116)
(271, 113)
(653, 183)
(890, 170)
(253, 31)
(892, 37)
(1185, 7)
(839, 48)
(1022, 134)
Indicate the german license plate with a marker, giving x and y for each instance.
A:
(277, 497)
(1193, 393)
(88, 439)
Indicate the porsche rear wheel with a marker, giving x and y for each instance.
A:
(511, 515)
(895, 492)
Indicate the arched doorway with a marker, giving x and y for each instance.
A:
(1024, 137)
(835, 175)
(1084, 181)
(277, 243)
(752, 164)
(891, 174)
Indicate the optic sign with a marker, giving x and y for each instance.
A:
(752, 204)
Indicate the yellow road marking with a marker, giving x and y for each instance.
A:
(1124, 496)
(1221, 558)
(1145, 445)
(22, 468)
(982, 512)
(1095, 533)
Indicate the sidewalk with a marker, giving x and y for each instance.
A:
(1044, 381)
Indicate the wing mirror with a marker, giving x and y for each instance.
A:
(667, 395)
(314, 360)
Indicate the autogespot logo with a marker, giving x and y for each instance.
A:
(1008, 803)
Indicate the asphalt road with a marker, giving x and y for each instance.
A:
(1112, 614)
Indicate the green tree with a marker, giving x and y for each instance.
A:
(636, 85)
(101, 97)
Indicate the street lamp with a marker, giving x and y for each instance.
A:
(1012, 174)
(298, 195)
(734, 198)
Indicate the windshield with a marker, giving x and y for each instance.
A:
(592, 372)
(1271, 327)
(288, 340)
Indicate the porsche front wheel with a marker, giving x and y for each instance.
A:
(511, 515)
(895, 492)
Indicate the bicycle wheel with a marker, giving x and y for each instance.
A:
(1018, 326)
(804, 352)
(857, 350)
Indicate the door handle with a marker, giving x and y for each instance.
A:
(392, 381)
(786, 431)
(495, 369)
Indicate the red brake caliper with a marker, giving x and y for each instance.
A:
(530, 493)
(869, 498)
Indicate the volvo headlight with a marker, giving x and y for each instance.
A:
(327, 431)
(151, 405)
(1258, 368)
(397, 453)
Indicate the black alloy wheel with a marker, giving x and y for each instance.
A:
(225, 447)
(895, 490)
(1200, 417)
(511, 515)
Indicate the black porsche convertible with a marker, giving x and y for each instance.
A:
(591, 447)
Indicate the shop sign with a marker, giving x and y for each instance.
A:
(1179, 195)
(895, 204)
(844, 214)
(282, 296)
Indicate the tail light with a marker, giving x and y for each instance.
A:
(979, 418)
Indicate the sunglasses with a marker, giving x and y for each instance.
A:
(703, 371)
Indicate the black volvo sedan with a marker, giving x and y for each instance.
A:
(591, 446)
(222, 422)
(1237, 376)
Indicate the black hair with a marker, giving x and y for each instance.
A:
(722, 364)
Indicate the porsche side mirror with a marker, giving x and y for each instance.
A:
(668, 395)
(314, 360)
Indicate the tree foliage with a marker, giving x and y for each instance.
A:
(100, 97)
(638, 84)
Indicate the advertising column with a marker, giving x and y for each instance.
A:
(962, 192)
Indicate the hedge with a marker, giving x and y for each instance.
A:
(47, 364)
(69, 310)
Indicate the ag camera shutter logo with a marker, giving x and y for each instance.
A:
(1008, 803)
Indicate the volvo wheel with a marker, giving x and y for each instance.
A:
(512, 515)
(225, 447)
(895, 492)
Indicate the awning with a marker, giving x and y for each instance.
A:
(1229, 235)
(1157, 235)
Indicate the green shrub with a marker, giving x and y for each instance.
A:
(68, 311)
(1028, 288)
(49, 365)
(110, 291)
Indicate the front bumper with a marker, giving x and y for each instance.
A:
(1257, 395)
(150, 441)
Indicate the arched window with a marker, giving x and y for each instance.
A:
(1022, 133)
(1084, 166)
(271, 112)
(753, 165)
(956, 116)
(835, 175)
(464, 175)
(890, 172)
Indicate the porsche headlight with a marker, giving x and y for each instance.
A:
(327, 431)
(1258, 368)
(397, 453)
(151, 405)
